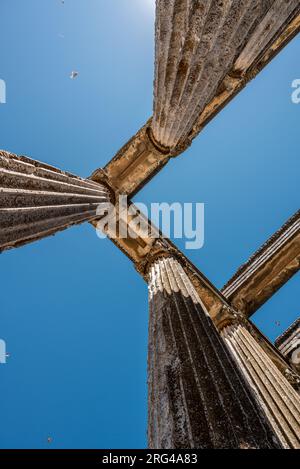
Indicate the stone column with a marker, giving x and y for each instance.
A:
(197, 395)
(279, 400)
(202, 48)
(37, 200)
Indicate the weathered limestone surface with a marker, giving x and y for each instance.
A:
(279, 400)
(37, 200)
(267, 270)
(204, 47)
(197, 396)
(289, 344)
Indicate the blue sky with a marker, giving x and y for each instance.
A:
(73, 310)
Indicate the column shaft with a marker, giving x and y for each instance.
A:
(37, 200)
(197, 396)
(201, 46)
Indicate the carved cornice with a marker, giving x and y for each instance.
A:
(288, 230)
(267, 270)
(288, 333)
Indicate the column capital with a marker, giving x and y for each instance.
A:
(231, 317)
(160, 249)
(293, 378)
(100, 176)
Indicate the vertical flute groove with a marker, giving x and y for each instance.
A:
(198, 44)
(279, 399)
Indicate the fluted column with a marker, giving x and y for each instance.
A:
(280, 401)
(198, 44)
(197, 396)
(37, 200)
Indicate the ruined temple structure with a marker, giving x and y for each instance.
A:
(214, 380)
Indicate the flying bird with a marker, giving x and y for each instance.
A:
(74, 75)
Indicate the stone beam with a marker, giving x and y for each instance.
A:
(279, 400)
(37, 200)
(205, 54)
(267, 270)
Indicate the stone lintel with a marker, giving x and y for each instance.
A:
(38, 200)
(267, 270)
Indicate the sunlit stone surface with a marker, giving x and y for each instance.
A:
(202, 48)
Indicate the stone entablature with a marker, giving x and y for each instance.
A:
(267, 270)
